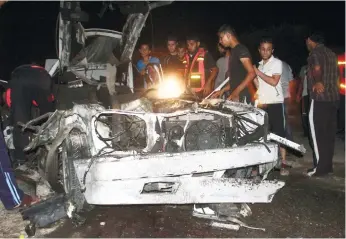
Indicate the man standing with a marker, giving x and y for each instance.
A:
(303, 99)
(270, 93)
(241, 70)
(286, 78)
(171, 63)
(324, 93)
(201, 69)
(222, 64)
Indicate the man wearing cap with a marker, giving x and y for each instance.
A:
(322, 76)
(201, 69)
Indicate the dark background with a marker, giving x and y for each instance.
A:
(28, 29)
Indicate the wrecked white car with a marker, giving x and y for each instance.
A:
(169, 151)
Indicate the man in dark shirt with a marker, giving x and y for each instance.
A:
(322, 78)
(210, 68)
(241, 71)
(171, 63)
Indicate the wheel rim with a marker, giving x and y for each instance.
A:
(65, 171)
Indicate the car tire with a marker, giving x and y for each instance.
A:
(74, 147)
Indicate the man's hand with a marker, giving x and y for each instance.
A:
(234, 97)
(142, 72)
(298, 98)
(256, 70)
(318, 87)
(207, 89)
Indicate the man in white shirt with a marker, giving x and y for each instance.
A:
(270, 94)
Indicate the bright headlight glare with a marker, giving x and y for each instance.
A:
(170, 88)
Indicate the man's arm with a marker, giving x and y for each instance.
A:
(247, 63)
(316, 69)
(271, 80)
(316, 73)
(255, 81)
(211, 65)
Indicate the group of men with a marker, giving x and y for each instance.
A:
(265, 85)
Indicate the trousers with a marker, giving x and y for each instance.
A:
(10, 194)
(323, 125)
(28, 85)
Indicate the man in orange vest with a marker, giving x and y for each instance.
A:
(201, 69)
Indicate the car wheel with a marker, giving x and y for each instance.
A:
(74, 147)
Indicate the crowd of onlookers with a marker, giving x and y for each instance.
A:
(265, 84)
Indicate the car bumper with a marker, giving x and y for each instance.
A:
(179, 178)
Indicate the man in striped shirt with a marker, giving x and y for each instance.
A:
(323, 89)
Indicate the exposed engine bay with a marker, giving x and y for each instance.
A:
(177, 128)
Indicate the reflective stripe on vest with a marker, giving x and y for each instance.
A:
(200, 75)
(51, 98)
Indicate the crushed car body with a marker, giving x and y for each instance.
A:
(187, 153)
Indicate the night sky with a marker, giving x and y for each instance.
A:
(27, 29)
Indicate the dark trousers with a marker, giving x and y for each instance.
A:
(288, 128)
(323, 124)
(28, 84)
(10, 194)
(304, 110)
(21, 111)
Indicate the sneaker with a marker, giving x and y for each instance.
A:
(27, 201)
(311, 172)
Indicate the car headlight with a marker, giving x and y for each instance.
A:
(171, 87)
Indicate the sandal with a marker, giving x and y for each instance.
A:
(284, 172)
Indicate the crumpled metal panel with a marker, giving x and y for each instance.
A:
(131, 32)
(65, 28)
(181, 190)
